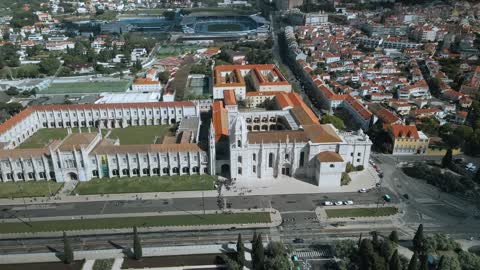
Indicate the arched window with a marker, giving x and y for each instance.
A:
(145, 171)
(165, 170)
(270, 160)
(175, 170)
(135, 171)
(125, 171)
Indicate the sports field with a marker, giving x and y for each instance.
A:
(224, 27)
(87, 87)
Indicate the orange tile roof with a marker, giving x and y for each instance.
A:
(220, 120)
(283, 101)
(229, 97)
(387, 116)
(329, 156)
(403, 131)
(359, 108)
(462, 114)
(143, 81)
(238, 79)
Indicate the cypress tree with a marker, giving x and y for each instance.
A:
(366, 253)
(447, 159)
(254, 246)
(67, 250)
(240, 251)
(137, 246)
(376, 242)
(419, 241)
(395, 261)
(259, 254)
(424, 262)
(413, 264)
(393, 236)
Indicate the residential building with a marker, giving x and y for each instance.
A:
(407, 140)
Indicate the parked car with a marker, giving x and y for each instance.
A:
(406, 196)
(348, 202)
(328, 203)
(471, 167)
(380, 174)
(298, 241)
(387, 198)
(363, 190)
(339, 203)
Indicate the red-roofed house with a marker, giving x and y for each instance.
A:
(407, 140)
(460, 117)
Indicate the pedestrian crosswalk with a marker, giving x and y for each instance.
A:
(309, 253)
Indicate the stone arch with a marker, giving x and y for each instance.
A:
(225, 170)
(286, 169)
(71, 176)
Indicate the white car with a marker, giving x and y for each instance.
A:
(328, 203)
(348, 202)
(339, 203)
(363, 190)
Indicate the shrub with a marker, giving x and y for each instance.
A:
(349, 168)
(359, 168)
(103, 264)
(345, 179)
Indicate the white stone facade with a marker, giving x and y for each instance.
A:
(257, 155)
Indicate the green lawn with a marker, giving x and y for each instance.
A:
(43, 136)
(361, 212)
(87, 87)
(28, 189)
(224, 27)
(140, 134)
(146, 184)
(130, 222)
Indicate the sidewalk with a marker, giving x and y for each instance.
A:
(119, 253)
(275, 217)
(245, 187)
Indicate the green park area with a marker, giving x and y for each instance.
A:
(146, 184)
(141, 134)
(224, 27)
(29, 189)
(87, 87)
(43, 136)
(130, 222)
(361, 212)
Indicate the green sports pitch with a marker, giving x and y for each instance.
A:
(224, 27)
(87, 87)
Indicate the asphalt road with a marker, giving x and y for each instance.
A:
(439, 212)
(283, 203)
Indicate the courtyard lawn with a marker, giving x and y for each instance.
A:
(28, 189)
(87, 87)
(140, 134)
(146, 184)
(43, 136)
(130, 222)
(361, 212)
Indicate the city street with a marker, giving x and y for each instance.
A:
(439, 212)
